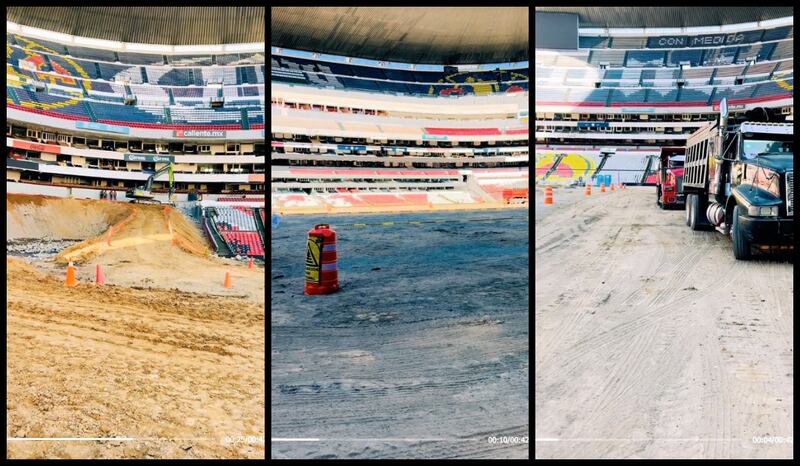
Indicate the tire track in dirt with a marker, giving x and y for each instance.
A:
(655, 361)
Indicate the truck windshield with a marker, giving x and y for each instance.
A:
(752, 148)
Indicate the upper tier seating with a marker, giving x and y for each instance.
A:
(70, 108)
(205, 116)
(778, 33)
(339, 75)
(747, 37)
(131, 58)
(585, 42)
(91, 54)
(108, 112)
(611, 57)
(599, 96)
(692, 56)
(147, 94)
(662, 95)
(695, 95)
(187, 60)
(627, 95)
(761, 68)
(783, 50)
(645, 58)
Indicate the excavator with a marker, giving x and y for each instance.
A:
(142, 194)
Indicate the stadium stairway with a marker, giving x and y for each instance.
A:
(48, 66)
(168, 114)
(143, 71)
(13, 95)
(89, 110)
(171, 96)
(262, 231)
(222, 247)
(477, 192)
(245, 122)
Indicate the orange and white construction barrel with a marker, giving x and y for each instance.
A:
(548, 195)
(321, 272)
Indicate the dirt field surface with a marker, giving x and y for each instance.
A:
(652, 341)
(423, 353)
(162, 356)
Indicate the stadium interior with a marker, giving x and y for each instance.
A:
(636, 89)
(92, 114)
(405, 128)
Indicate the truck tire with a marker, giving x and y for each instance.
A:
(688, 208)
(695, 221)
(741, 247)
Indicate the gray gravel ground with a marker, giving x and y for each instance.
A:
(423, 353)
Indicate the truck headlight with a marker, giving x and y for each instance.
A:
(760, 211)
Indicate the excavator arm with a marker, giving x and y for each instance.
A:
(166, 168)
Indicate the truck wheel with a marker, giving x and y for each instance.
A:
(688, 208)
(694, 213)
(741, 247)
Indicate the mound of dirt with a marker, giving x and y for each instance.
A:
(137, 245)
(49, 218)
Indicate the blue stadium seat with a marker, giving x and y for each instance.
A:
(777, 33)
(585, 42)
(130, 58)
(645, 58)
(627, 95)
(695, 95)
(675, 57)
(772, 89)
(662, 95)
(52, 103)
(126, 113)
(588, 95)
(91, 54)
(398, 75)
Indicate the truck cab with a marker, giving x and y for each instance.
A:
(669, 179)
(739, 179)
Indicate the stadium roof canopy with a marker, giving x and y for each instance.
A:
(149, 25)
(430, 35)
(655, 17)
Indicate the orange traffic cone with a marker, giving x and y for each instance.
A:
(588, 191)
(602, 188)
(548, 195)
(227, 283)
(250, 264)
(71, 275)
(98, 276)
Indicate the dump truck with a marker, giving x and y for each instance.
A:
(739, 180)
(669, 179)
